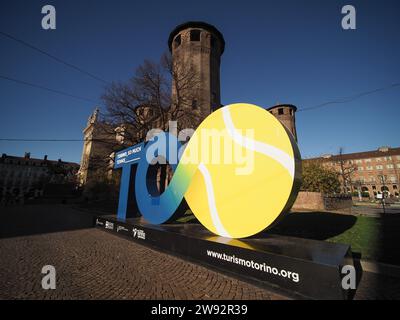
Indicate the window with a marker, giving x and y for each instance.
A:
(378, 159)
(194, 104)
(373, 187)
(358, 161)
(177, 41)
(195, 35)
(388, 158)
(398, 165)
(367, 160)
(379, 167)
(280, 111)
(390, 166)
(394, 187)
(393, 179)
(370, 168)
(360, 168)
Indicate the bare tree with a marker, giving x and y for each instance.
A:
(156, 94)
(184, 81)
(346, 171)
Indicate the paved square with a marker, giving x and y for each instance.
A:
(93, 264)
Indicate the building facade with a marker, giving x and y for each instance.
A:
(22, 177)
(369, 173)
(196, 49)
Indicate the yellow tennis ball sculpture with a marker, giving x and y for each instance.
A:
(246, 170)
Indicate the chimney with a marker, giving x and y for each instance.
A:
(4, 155)
(27, 155)
(59, 160)
(45, 157)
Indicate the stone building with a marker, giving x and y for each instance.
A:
(196, 49)
(22, 177)
(96, 148)
(369, 172)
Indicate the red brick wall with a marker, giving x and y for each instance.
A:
(316, 201)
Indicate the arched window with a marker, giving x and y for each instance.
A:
(195, 35)
(177, 41)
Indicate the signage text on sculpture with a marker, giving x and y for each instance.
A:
(238, 173)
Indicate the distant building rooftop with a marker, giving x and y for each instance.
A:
(381, 152)
(27, 160)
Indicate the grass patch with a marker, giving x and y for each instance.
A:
(375, 238)
(364, 237)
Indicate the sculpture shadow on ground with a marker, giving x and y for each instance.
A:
(312, 225)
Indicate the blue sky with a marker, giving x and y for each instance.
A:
(276, 52)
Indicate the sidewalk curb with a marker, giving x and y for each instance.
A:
(380, 268)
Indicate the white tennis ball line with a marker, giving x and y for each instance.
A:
(278, 155)
(211, 202)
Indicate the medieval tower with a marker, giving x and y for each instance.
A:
(285, 113)
(197, 47)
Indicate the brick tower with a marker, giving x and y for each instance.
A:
(198, 46)
(285, 113)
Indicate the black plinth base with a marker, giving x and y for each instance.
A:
(308, 268)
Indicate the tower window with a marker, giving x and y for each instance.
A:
(280, 111)
(194, 104)
(177, 41)
(195, 35)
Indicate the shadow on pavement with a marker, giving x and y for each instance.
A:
(28, 220)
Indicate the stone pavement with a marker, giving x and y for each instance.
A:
(93, 264)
